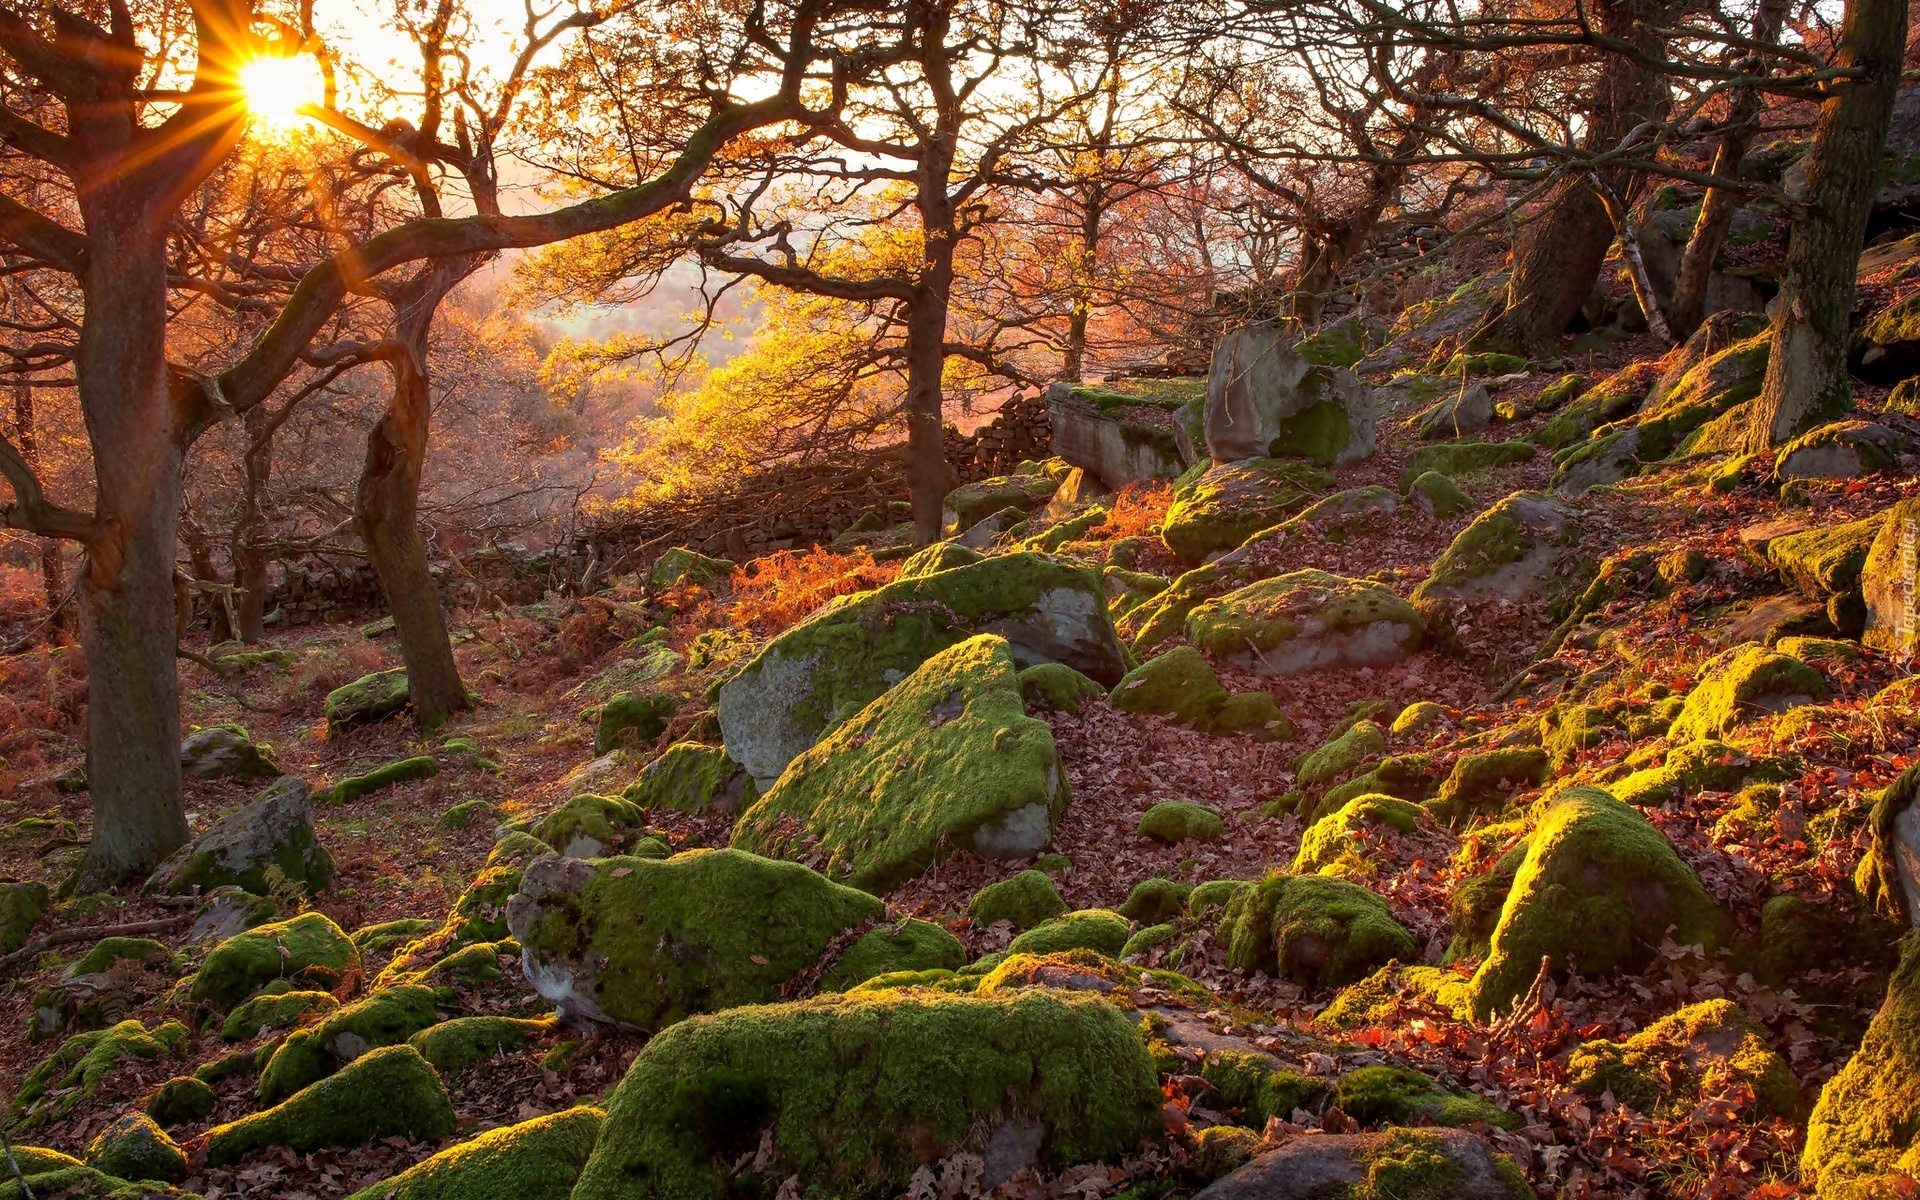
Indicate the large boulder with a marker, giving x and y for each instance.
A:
(853, 1094)
(1227, 504)
(969, 504)
(272, 831)
(308, 949)
(1890, 582)
(1400, 1164)
(1305, 621)
(312, 1052)
(367, 699)
(945, 760)
(1468, 410)
(224, 752)
(830, 666)
(1887, 348)
(1523, 545)
(1684, 1059)
(389, 1092)
(1599, 889)
(1844, 449)
(641, 943)
(1266, 398)
(1861, 1137)
(1121, 439)
(534, 1160)
(1312, 929)
(693, 778)
(1740, 684)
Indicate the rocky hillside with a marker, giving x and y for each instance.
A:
(1378, 772)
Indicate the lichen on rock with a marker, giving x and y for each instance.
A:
(1304, 621)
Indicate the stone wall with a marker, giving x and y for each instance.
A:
(1018, 432)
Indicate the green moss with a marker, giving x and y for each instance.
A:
(1402, 776)
(912, 945)
(703, 930)
(1319, 433)
(1221, 1149)
(133, 1147)
(1174, 821)
(389, 1092)
(1443, 497)
(1598, 887)
(463, 814)
(1498, 537)
(372, 697)
(1147, 938)
(1561, 392)
(277, 1011)
(1739, 684)
(53, 1087)
(1488, 363)
(1098, 929)
(1825, 561)
(855, 1092)
(968, 504)
(1155, 900)
(110, 950)
(1668, 1068)
(1306, 620)
(353, 787)
(947, 759)
(308, 948)
(1341, 344)
(1417, 718)
(1022, 901)
(681, 567)
(1617, 396)
(1877, 877)
(1336, 844)
(1706, 765)
(1178, 684)
(1476, 904)
(1377, 1000)
(1862, 1129)
(1311, 929)
(591, 826)
(311, 1053)
(1232, 502)
(1256, 714)
(534, 1160)
(1341, 755)
(1568, 729)
(1213, 894)
(480, 914)
(457, 1044)
(181, 1100)
(632, 719)
(693, 778)
(20, 906)
(1396, 1096)
(1057, 687)
(1485, 782)
(1458, 459)
(941, 556)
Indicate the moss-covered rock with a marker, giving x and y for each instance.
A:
(1522, 545)
(1023, 901)
(1705, 765)
(1231, 502)
(1568, 729)
(911, 945)
(1307, 620)
(830, 666)
(1418, 719)
(20, 907)
(1860, 1138)
(1397, 1096)
(534, 1160)
(947, 759)
(1600, 888)
(1312, 929)
(1740, 684)
(224, 752)
(855, 1092)
(941, 556)
(389, 1092)
(593, 826)
(1175, 821)
(1483, 782)
(1178, 684)
(457, 1044)
(632, 719)
(1842, 450)
(1614, 398)
(1098, 929)
(1461, 459)
(309, 1054)
(308, 949)
(133, 1147)
(1886, 582)
(1341, 755)
(642, 943)
(1336, 844)
(1214, 895)
(1057, 687)
(682, 567)
(1255, 714)
(967, 505)
(1438, 495)
(1692, 1055)
(275, 1010)
(181, 1100)
(1154, 900)
(1396, 1164)
(353, 787)
(367, 699)
(273, 831)
(694, 778)
(54, 1086)
(1826, 561)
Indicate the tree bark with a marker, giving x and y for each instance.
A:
(387, 506)
(1807, 366)
(249, 556)
(1558, 257)
(1689, 306)
(926, 397)
(126, 586)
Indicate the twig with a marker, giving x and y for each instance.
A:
(93, 932)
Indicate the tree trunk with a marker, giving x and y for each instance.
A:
(1689, 306)
(386, 516)
(926, 366)
(249, 530)
(53, 575)
(126, 584)
(1807, 366)
(1558, 257)
(1086, 269)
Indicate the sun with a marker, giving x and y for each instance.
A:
(277, 87)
